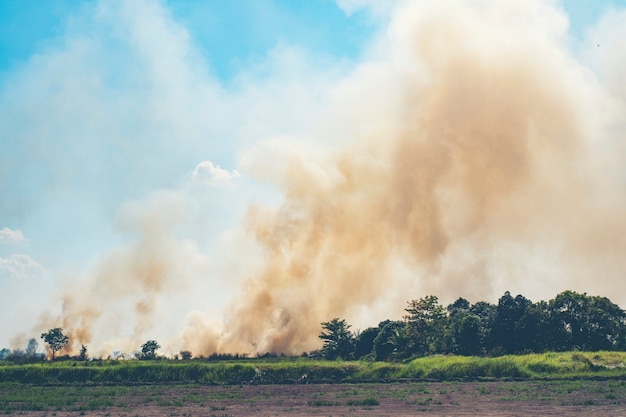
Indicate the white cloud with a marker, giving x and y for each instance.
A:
(11, 236)
(20, 266)
(207, 172)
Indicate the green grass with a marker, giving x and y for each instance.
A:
(300, 370)
(545, 365)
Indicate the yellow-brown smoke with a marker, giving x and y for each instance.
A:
(488, 152)
(120, 300)
(481, 163)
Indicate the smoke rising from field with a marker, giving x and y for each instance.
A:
(123, 294)
(489, 149)
(481, 158)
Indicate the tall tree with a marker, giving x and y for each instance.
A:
(463, 330)
(589, 323)
(486, 313)
(55, 339)
(607, 325)
(426, 323)
(338, 339)
(570, 309)
(504, 333)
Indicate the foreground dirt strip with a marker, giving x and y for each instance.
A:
(502, 398)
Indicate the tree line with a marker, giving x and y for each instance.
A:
(515, 325)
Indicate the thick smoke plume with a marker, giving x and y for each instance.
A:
(485, 166)
(482, 159)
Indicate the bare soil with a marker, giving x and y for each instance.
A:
(497, 398)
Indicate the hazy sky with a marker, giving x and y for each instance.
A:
(125, 123)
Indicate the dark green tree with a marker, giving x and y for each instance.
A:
(607, 325)
(537, 331)
(589, 323)
(364, 342)
(390, 342)
(504, 335)
(463, 330)
(338, 339)
(55, 339)
(570, 309)
(148, 349)
(461, 305)
(426, 323)
(486, 313)
(464, 334)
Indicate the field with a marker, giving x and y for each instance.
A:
(563, 384)
(495, 398)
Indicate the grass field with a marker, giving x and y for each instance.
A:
(295, 370)
(577, 383)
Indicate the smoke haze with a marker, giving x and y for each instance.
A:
(483, 171)
(470, 152)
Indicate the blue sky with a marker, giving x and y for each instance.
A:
(226, 38)
(230, 34)
(115, 116)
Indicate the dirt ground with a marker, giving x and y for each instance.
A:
(501, 398)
